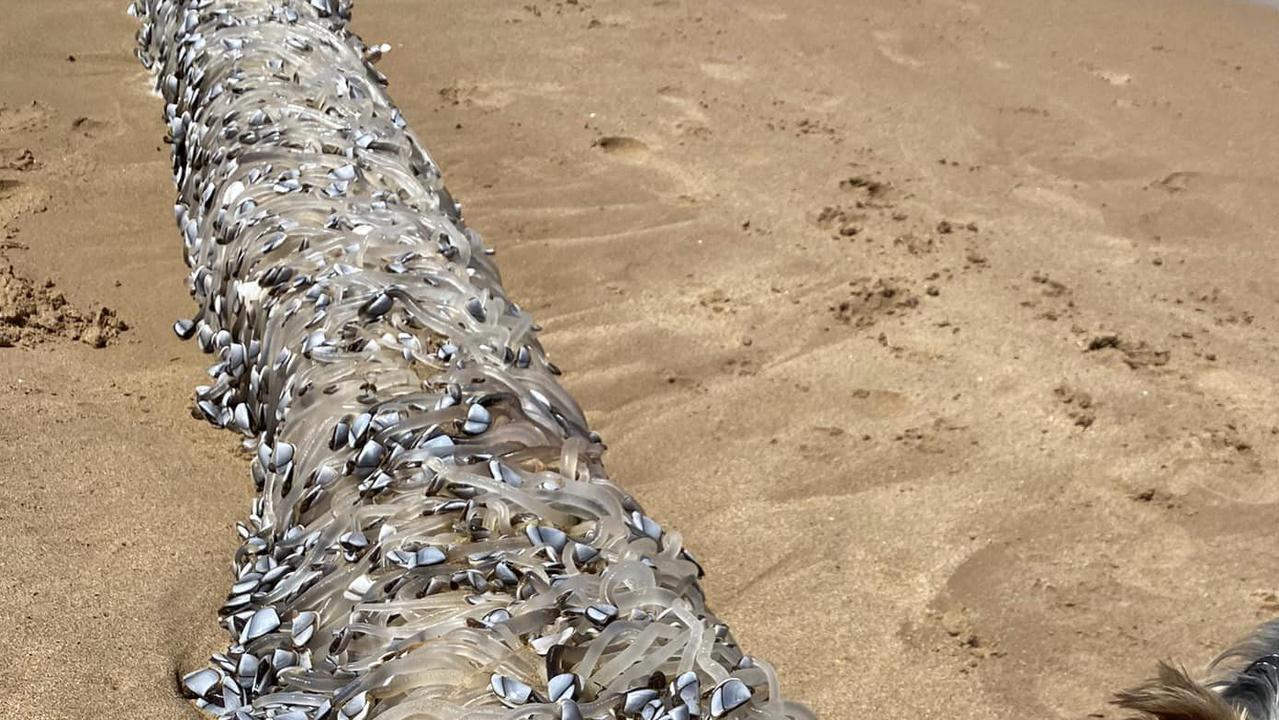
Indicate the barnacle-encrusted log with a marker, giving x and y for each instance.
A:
(434, 535)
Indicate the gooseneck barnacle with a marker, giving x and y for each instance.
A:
(434, 535)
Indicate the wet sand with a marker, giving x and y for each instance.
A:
(942, 330)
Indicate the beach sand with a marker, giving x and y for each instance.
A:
(944, 331)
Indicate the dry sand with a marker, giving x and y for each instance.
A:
(943, 330)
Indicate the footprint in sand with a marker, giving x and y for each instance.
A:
(88, 127)
(730, 72)
(491, 96)
(1058, 202)
(21, 118)
(18, 197)
(892, 46)
(626, 148)
(1114, 78)
(1176, 182)
(762, 15)
(688, 107)
(22, 161)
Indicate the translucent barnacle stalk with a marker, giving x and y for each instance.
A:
(434, 535)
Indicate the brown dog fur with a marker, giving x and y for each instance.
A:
(1173, 695)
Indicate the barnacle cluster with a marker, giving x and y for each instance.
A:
(434, 535)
